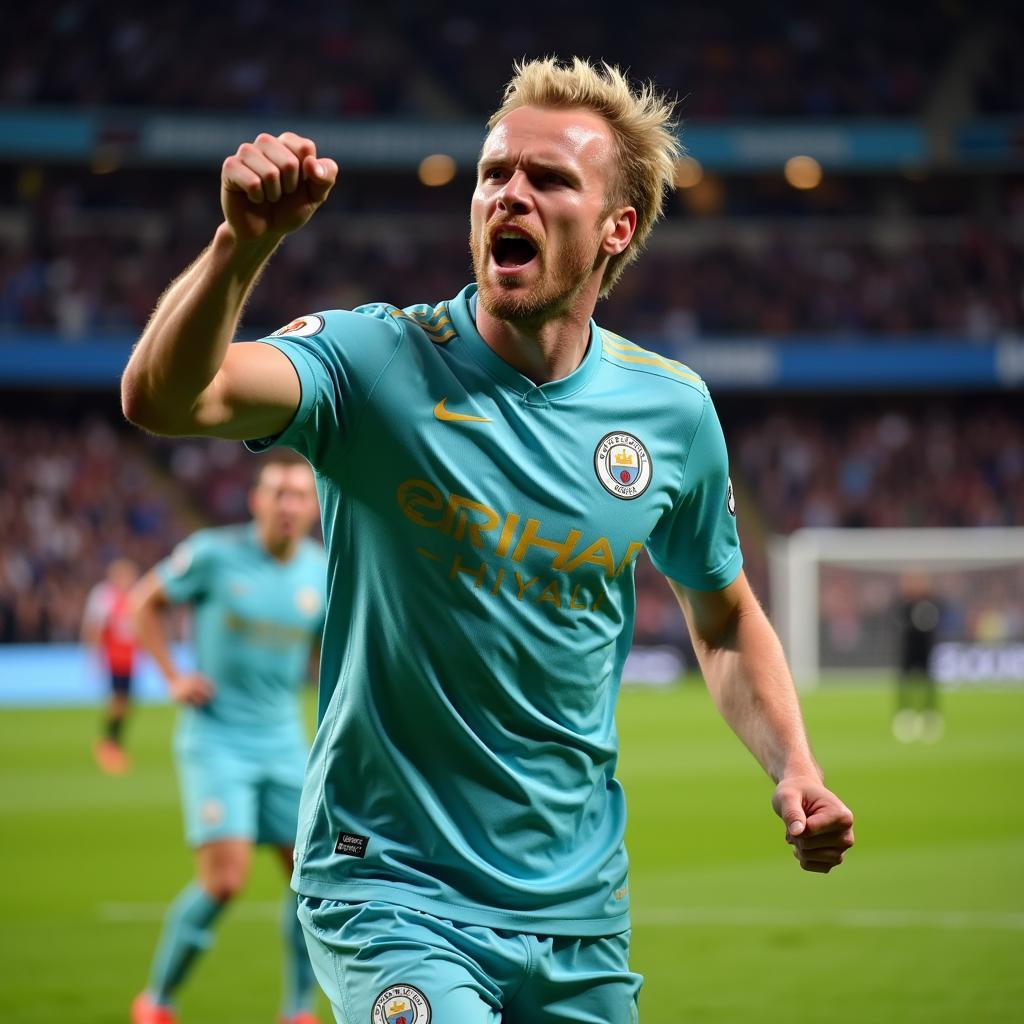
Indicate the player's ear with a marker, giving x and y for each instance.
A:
(619, 226)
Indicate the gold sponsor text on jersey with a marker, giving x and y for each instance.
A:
(508, 536)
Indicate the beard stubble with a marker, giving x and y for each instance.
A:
(555, 291)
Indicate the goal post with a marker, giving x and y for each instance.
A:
(978, 568)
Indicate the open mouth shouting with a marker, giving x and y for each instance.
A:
(512, 249)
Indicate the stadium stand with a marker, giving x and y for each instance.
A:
(912, 251)
(95, 257)
(744, 61)
(927, 465)
(73, 496)
(79, 492)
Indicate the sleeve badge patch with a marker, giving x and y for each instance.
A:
(181, 559)
(303, 327)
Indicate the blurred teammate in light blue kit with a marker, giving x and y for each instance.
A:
(256, 592)
(503, 461)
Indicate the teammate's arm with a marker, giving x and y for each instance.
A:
(185, 376)
(313, 664)
(149, 611)
(746, 672)
(92, 620)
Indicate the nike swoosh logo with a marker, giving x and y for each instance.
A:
(455, 417)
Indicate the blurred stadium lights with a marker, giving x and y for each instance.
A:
(688, 172)
(184, 138)
(803, 172)
(705, 197)
(436, 169)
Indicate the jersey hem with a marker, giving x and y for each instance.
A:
(530, 923)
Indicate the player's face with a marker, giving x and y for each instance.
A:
(539, 228)
(283, 502)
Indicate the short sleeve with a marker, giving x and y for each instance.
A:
(338, 356)
(186, 573)
(695, 542)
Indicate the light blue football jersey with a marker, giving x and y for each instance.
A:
(255, 621)
(480, 606)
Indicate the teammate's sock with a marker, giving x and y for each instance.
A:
(113, 730)
(299, 982)
(186, 933)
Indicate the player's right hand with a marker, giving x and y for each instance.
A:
(819, 826)
(192, 688)
(272, 186)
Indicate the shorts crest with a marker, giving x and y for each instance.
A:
(211, 812)
(400, 1004)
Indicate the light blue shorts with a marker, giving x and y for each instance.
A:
(231, 794)
(384, 964)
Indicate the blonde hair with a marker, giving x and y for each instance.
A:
(642, 126)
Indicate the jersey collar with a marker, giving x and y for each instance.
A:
(462, 310)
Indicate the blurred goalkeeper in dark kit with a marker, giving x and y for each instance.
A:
(918, 615)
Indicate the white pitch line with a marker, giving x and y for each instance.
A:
(663, 917)
(135, 913)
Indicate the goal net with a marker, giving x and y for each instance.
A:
(836, 598)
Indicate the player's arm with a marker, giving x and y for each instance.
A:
(149, 611)
(185, 376)
(313, 666)
(746, 672)
(92, 620)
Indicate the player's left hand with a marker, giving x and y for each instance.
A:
(819, 826)
(191, 688)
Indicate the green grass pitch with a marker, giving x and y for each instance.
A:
(925, 921)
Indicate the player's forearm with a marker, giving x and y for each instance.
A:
(151, 634)
(170, 376)
(748, 678)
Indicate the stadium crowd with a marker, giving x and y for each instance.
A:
(1000, 87)
(73, 496)
(895, 254)
(940, 466)
(964, 281)
(348, 60)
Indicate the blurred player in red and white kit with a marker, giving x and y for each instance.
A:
(107, 625)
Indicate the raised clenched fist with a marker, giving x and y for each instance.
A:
(273, 185)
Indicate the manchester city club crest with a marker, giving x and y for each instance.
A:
(623, 465)
(400, 1004)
